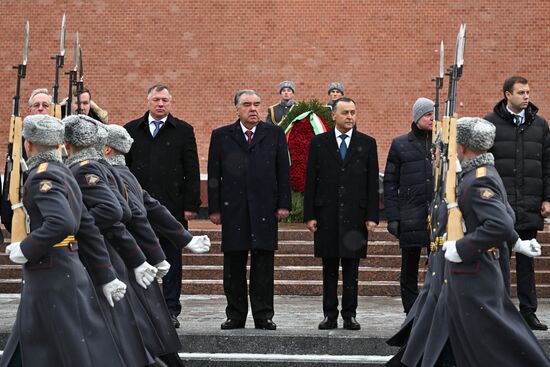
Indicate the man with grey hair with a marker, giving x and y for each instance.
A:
(40, 102)
(277, 112)
(164, 159)
(475, 313)
(248, 193)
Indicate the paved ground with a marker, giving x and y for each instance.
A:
(380, 317)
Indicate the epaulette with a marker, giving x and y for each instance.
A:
(43, 167)
(481, 172)
(83, 163)
(275, 105)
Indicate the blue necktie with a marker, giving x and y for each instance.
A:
(158, 124)
(343, 146)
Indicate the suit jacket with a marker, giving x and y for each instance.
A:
(247, 184)
(341, 194)
(168, 165)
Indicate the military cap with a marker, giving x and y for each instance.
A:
(81, 130)
(102, 135)
(335, 85)
(119, 138)
(421, 107)
(43, 130)
(475, 133)
(287, 84)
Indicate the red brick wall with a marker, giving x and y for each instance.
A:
(206, 50)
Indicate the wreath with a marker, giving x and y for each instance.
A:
(300, 124)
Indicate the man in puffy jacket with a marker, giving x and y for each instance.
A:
(522, 158)
(407, 194)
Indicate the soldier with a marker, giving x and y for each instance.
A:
(59, 321)
(277, 112)
(475, 307)
(335, 91)
(135, 331)
(118, 143)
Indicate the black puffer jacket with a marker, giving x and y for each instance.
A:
(522, 158)
(408, 186)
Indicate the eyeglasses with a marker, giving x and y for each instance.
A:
(38, 105)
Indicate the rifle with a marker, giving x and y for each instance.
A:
(436, 130)
(55, 109)
(80, 82)
(72, 79)
(454, 218)
(15, 163)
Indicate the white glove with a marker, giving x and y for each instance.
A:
(199, 244)
(114, 291)
(529, 248)
(163, 267)
(451, 253)
(16, 255)
(145, 274)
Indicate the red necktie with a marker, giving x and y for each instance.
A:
(248, 136)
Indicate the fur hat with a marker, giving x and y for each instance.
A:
(335, 85)
(102, 135)
(119, 139)
(81, 130)
(475, 133)
(287, 84)
(43, 130)
(421, 107)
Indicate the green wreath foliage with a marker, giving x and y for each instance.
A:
(314, 105)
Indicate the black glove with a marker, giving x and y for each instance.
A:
(393, 228)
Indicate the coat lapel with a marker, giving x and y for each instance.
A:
(238, 136)
(352, 148)
(259, 134)
(333, 147)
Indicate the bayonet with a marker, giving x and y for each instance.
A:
(73, 77)
(55, 109)
(26, 44)
(62, 39)
(76, 49)
(80, 66)
(441, 60)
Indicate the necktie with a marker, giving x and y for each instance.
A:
(343, 146)
(518, 120)
(248, 136)
(158, 124)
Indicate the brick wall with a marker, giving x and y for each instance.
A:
(206, 50)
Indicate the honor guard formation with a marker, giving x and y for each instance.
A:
(98, 216)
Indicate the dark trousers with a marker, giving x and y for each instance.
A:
(408, 278)
(171, 282)
(525, 273)
(262, 264)
(350, 275)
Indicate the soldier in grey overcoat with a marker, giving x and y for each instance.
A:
(484, 327)
(59, 321)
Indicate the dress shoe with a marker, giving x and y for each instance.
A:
(328, 324)
(533, 322)
(265, 324)
(351, 324)
(230, 324)
(175, 321)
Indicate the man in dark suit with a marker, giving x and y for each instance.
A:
(248, 193)
(164, 160)
(340, 207)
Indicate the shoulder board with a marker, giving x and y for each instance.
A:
(43, 167)
(83, 163)
(275, 105)
(481, 172)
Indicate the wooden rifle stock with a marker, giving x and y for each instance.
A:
(18, 226)
(454, 219)
(55, 110)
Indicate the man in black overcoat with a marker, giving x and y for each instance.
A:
(248, 193)
(164, 159)
(522, 158)
(340, 207)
